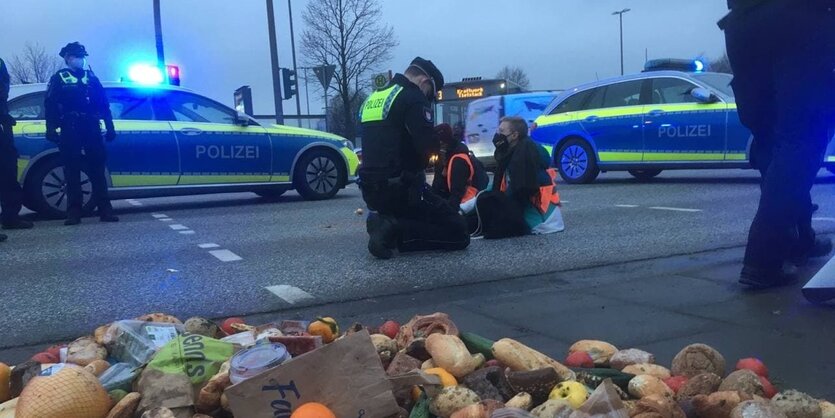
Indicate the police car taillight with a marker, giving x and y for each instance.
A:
(173, 73)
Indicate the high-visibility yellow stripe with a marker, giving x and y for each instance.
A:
(830, 159)
(296, 131)
(606, 156)
(279, 179)
(137, 180)
(549, 148)
(153, 126)
(353, 160)
(625, 111)
(213, 179)
(21, 167)
(683, 156)
(736, 156)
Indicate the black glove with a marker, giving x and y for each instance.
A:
(52, 136)
(110, 136)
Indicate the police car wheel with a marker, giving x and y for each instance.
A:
(576, 162)
(644, 174)
(46, 190)
(319, 175)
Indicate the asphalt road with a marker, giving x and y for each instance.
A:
(238, 254)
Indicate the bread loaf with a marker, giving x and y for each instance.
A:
(449, 353)
(518, 356)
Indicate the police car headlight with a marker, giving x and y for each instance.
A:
(348, 144)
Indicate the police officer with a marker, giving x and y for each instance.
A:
(398, 138)
(76, 103)
(782, 55)
(11, 195)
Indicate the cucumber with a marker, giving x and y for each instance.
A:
(618, 378)
(421, 408)
(478, 344)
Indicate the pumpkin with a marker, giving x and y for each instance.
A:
(326, 327)
(313, 410)
(72, 392)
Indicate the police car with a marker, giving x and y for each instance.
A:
(672, 116)
(172, 141)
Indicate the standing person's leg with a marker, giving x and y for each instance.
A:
(96, 157)
(11, 195)
(70, 148)
(799, 146)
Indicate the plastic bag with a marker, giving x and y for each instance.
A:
(119, 376)
(136, 342)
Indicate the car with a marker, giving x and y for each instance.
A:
(661, 119)
(172, 141)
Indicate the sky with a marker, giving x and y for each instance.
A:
(222, 45)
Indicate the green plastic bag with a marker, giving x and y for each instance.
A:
(176, 374)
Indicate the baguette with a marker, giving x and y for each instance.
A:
(520, 357)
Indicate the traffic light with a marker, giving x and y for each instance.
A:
(288, 83)
(173, 74)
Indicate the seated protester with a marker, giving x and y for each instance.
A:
(459, 176)
(523, 198)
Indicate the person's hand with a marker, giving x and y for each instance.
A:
(52, 136)
(110, 136)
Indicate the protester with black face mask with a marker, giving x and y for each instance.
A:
(523, 198)
(397, 139)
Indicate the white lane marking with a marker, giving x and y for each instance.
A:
(159, 215)
(626, 206)
(290, 294)
(133, 202)
(225, 255)
(178, 227)
(208, 245)
(824, 219)
(675, 209)
(188, 232)
(165, 219)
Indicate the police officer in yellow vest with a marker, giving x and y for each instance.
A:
(76, 104)
(398, 138)
(11, 195)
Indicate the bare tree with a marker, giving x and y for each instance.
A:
(349, 35)
(721, 65)
(33, 65)
(516, 76)
(336, 112)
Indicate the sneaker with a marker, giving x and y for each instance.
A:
(756, 278)
(382, 236)
(18, 224)
(109, 218)
(72, 221)
(3, 237)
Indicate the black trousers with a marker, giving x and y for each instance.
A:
(11, 194)
(81, 146)
(783, 57)
(426, 221)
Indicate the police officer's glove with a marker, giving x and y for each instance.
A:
(52, 136)
(110, 136)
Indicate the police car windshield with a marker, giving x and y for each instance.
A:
(721, 82)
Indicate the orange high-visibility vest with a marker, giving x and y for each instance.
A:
(471, 191)
(547, 195)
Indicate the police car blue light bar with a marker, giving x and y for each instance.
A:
(145, 74)
(669, 64)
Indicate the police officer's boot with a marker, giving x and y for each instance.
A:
(382, 236)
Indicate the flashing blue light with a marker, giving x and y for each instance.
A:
(146, 74)
(700, 66)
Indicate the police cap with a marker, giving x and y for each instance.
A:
(431, 70)
(75, 49)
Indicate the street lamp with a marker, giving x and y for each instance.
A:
(158, 35)
(620, 15)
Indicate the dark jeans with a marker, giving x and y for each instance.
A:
(426, 222)
(84, 137)
(11, 194)
(782, 56)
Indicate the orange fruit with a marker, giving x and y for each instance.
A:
(313, 410)
(326, 328)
